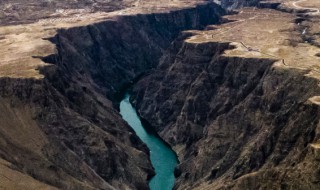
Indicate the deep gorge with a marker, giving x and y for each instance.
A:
(235, 122)
(86, 144)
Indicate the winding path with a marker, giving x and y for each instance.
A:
(313, 10)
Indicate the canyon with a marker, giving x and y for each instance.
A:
(231, 86)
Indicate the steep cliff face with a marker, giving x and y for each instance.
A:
(235, 122)
(62, 131)
(114, 53)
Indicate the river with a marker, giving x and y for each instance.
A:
(163, 158)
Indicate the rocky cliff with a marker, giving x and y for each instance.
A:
(240, 115)
(115, 53)
(61, 129)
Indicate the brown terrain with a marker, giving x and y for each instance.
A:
(238, 101)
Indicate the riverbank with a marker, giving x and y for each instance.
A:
(163, 158)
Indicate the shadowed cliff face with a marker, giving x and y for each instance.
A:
(114, 53)
(236, 123)
(63, 130)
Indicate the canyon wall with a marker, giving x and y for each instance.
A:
(235, 122)
(114, 53)
(64, 131)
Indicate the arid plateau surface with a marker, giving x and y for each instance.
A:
(232, 86)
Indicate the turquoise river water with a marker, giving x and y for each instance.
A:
(162, 157)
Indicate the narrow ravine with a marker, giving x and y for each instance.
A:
(163, 158)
